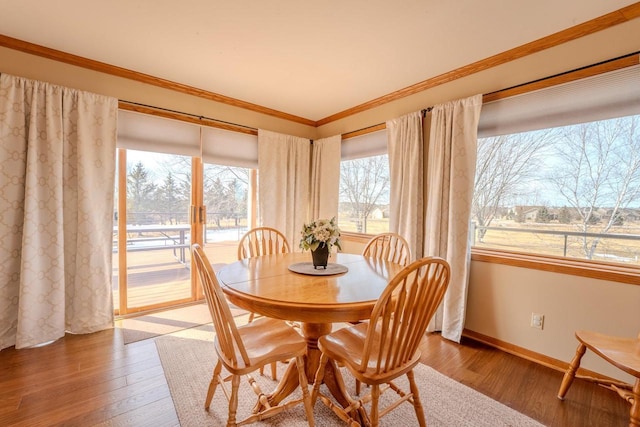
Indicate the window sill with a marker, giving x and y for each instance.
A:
(352, 236)
(593, 269)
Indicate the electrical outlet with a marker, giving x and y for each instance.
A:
(537, 320)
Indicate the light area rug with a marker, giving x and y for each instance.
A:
(166, 322)
(188, 358)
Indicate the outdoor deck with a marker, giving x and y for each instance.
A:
(158, 276)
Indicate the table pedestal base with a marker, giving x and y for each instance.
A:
(332, 378)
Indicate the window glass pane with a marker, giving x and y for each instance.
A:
(569, 191)
(158, 229)
(226, 193)
(364, 195)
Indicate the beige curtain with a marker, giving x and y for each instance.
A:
(325, 177)
(406, 171)
(284, 171)
(57, 166)
(451, 161)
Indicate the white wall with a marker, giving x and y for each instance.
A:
(501, 299)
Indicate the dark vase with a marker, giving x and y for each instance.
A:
(320, 256)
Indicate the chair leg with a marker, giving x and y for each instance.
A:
(634, 419)
(304, 386)
(417, 404)
(375, 397)
(274, 369)
(212, 385)
(233, 401)
(571, 371)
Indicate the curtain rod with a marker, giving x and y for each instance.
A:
(426, 110)
(199, 117)
(374, 128)
(196, 116)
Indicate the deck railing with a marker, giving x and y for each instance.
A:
(176, 237)
(633, 255)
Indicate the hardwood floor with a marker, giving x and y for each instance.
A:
(525, 386)
(94, 379)
(84, 380)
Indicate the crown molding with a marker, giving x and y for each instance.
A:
(609, 20)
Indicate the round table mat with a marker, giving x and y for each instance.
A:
(307, 268)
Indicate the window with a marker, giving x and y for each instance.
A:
(225, 195)
(572, 191)
(558, 171)
(364, 184)
(175, 172)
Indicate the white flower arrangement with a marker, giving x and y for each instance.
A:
(320, 231)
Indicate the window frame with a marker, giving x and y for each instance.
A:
(554, 264)
(621, 273)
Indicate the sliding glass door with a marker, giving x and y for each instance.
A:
(155, 226)
(178, 183)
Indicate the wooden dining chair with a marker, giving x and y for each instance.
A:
(387, 346)
(623, 353)
(244, 349)
(262, 241)
(389, 247)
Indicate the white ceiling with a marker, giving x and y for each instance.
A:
(307, 59)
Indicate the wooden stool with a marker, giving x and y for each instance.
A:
(624, 353)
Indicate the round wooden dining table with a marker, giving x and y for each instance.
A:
(266, 285)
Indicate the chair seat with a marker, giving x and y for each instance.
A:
(266, 341)
(346, 346)
(624, 353)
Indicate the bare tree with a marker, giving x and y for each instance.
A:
(364, 182)
(180, 169)
(140, 193)
(171, 200)
(225, 192)
(601, 168)
(173, 194)
(225, 187)
(504, 168)
(228, 173)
